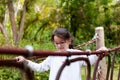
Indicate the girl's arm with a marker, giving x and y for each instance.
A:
(39, 67)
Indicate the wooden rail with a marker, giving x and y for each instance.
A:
(41, 54)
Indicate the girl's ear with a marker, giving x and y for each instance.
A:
(70, 41)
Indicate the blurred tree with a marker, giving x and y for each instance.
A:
(17, 28)
(81, 17)
(30, 18)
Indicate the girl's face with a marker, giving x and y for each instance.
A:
(61, 44)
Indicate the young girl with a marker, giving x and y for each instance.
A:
(63, 42)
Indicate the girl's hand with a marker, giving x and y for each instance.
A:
(102, 48)
(21, 59)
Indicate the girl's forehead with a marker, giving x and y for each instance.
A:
(56, 38)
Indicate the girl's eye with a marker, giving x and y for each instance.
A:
(60, 43)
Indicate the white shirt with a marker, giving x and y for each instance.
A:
(53, 63)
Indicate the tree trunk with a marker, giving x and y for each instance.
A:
(4, 32)
(22, 21)
(17, 32)
(12, 19)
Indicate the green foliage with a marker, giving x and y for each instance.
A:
(42, 76)
(46, 45)
(83, 16)
(2, 10)
(15, 74)
(80, 17)
(40, 20)
(9, 74)
(117, 59)
(2, 41)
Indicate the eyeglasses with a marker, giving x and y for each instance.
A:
(60, 43)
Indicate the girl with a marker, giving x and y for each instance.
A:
(63, 41)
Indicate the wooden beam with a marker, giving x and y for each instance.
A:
(101, 43)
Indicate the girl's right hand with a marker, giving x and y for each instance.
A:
(21, 59)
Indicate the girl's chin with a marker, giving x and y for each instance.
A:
(62, 50)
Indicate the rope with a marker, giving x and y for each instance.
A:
(88, 42)
(24, 52)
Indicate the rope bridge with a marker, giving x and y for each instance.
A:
(38, 54)
(41, 54)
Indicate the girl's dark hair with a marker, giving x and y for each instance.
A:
(64, 34)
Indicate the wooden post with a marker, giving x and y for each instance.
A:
(100, 43)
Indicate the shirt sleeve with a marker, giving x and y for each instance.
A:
(40, 67)
(92, 59)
